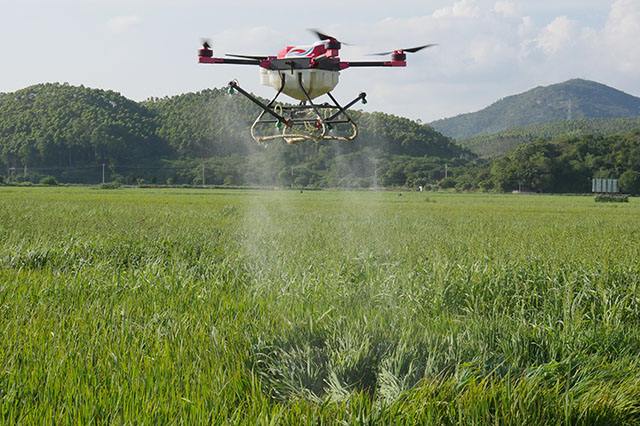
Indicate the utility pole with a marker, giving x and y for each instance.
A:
(103, 173)
(375, 174)
(25, 170)
(446, 170)
(204, 183)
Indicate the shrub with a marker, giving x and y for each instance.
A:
(464, 186)
(447, 183)
(612, 198)
(116, 178)
(48, 180)
(110, 185)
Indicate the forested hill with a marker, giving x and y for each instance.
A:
(573, 99)
(212, 123)
(498, 144)
(64, 126)
(57, 129)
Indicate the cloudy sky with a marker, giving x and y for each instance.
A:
(487, 49)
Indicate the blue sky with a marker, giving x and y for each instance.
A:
(487, 49)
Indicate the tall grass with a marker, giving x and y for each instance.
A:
(178, 306)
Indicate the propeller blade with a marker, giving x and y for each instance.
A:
(419, 48)
(410, 50)
(258, 58)
(380, 54)
(323, 37)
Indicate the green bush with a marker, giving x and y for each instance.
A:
(48, 180)
(448, 183)
(110, 185)
(612, 198)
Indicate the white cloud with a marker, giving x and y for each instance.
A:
(622, 34)
(497, 50)
(122, 24)
(254, 40)
(526, 26)
(505, 8)
(460, 9)
(491, 52)
(558, 34)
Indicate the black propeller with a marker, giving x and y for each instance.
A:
(410, 50)
(323, 37)
(257, 58)
(206, 43)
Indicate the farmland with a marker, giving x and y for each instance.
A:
(279, 307)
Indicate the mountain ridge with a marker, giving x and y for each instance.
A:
(569, 100)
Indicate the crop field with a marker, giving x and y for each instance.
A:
(178, 306)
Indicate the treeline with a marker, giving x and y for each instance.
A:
(69, 133)
(562, 165)
(57, 132)
(497, 144)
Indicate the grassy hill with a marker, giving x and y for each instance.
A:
(498, 144)
(573, 99)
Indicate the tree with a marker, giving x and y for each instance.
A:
(630, 182)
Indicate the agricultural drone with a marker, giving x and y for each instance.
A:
(304, 73)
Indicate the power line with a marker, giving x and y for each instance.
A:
(115, 167)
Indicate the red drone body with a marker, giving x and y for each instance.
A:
(304, 73)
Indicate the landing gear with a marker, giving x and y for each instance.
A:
(306, 121)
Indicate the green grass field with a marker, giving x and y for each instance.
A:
(211, 306)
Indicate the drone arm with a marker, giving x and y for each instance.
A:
(370, 64)
(212, 60)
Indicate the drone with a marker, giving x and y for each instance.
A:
(304, 73)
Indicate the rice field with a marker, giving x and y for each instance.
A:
(178, 306)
